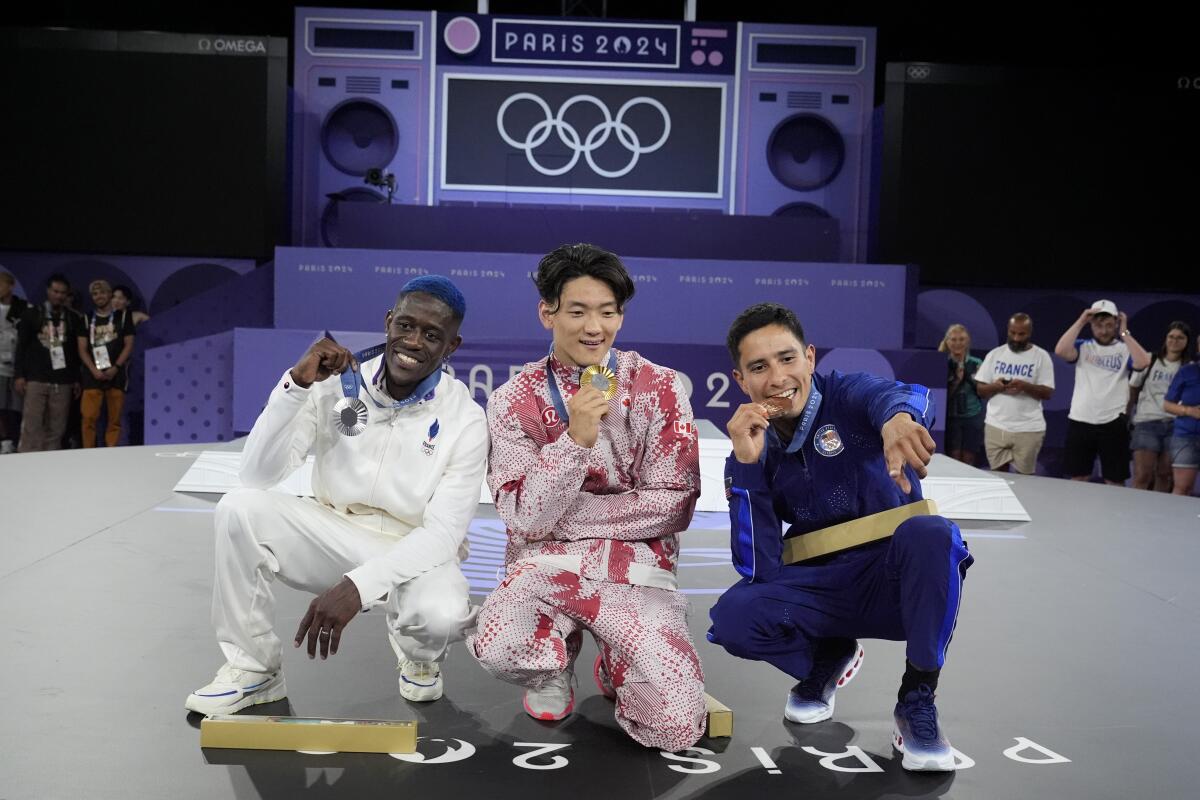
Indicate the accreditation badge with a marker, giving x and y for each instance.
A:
(100, 356)
(58, 357)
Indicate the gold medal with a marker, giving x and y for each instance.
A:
(600, 378)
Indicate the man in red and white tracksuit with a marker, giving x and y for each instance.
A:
(594, 491)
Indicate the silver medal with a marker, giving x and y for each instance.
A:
(350, 416)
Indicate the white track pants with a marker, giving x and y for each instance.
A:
(266, 535)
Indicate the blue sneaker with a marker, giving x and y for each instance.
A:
(811, 700)
(917, 735)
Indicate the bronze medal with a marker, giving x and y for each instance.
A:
(776, 406)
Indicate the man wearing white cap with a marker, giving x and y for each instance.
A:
(1096, 422)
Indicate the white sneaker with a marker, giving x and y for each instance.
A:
(554, 700)
(235, 689)
(420, 681)
(6, 447)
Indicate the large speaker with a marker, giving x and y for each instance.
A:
(804, 126)
(362, 92)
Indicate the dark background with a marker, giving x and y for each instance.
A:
(1106, 93)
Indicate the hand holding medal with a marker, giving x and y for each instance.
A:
(586, 408)
(325, 358)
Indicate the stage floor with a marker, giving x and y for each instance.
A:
(1067, 677)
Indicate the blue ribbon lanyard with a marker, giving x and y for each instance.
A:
(556, 395)
(351, 380)
(807, 418)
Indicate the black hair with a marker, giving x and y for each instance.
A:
(571, 261)
(58, 277)
(129, 295)
(760, 316)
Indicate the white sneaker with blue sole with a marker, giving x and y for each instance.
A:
(234, 689)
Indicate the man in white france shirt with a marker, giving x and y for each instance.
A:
(1015, 379)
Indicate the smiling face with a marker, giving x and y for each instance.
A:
(119, 301)
(585, 322)
(101, 297)
(772, 362)
(421, 331)
(1176, 343)
(957, 342)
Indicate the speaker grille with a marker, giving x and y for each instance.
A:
(356, 84)
(804, 100)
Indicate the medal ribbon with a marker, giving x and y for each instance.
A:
(556, 395)
(58, 330)
(806, 419)
(351, 380)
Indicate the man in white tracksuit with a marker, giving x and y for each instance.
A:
(401, 451)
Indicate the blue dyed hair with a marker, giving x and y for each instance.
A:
(440, 287)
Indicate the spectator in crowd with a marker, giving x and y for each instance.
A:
(1152, 424)
(123, 300)
(1183, 400)
(964, 409)
(1015, 379)
(46, 371)
(12, 308)
(1096, 423)
(104, 349)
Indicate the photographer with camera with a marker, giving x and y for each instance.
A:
(1015, 379)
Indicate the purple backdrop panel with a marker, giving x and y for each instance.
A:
(189, 391)
(662, 233)
(938, 309)
(677, 301)
(246, 301)
(148, 276)
(260, 356)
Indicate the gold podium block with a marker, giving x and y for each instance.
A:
(309, 733)
(853, 533)
(720, 718)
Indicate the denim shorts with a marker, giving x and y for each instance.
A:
(1185, 452)
(1154, 436)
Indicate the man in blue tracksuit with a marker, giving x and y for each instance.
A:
(815, 451)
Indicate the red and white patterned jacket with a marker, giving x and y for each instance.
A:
(611, 512)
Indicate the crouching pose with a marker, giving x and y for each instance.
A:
(815, 451)
(401, 451)
(594, 483)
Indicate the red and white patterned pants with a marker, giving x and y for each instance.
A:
(522, 638)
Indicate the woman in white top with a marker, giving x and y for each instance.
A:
(1152, 425)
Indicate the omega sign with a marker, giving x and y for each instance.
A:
(246, 46)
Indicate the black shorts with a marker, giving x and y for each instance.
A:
(1110, 441)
